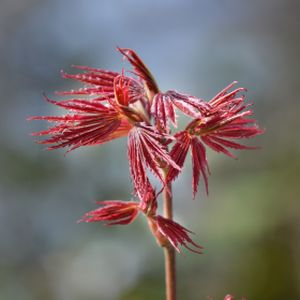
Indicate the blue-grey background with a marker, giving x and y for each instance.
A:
(249, 224)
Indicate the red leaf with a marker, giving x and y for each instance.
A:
(231, 144)
(189, 105)
(176, 234)
(113, 212)
(179, 153)
(140, 69)
(97, 77)
(146, 151)
(200, 165)
(216, 146)
(148, 203)
(163, 110)
(95, 123)
(226, 118)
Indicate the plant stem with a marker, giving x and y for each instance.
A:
(169, 251)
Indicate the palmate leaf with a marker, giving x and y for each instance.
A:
(113, 212)
(189, 105)
(140, 69)
(163, 111)
(93, 123)
(101, 84)
(98, 82)
(110, 105)
(145, 150)
(200, 165)
(198, 154)
(178, 153)
(128, 90)
(176, 234)
(164, 105)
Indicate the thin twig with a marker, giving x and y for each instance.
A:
(169, 251)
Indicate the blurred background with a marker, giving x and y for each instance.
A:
(249, 224)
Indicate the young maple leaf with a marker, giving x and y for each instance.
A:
(114, 212)
(223, 118)
(141, 70)
(113, 106)
(91, 123)
(164, 105)
(145, 149)
(168, 232)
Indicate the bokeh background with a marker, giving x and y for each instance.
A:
(249, 224)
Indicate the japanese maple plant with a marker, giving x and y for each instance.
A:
(111, 105)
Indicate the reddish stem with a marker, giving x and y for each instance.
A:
(169, 251)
